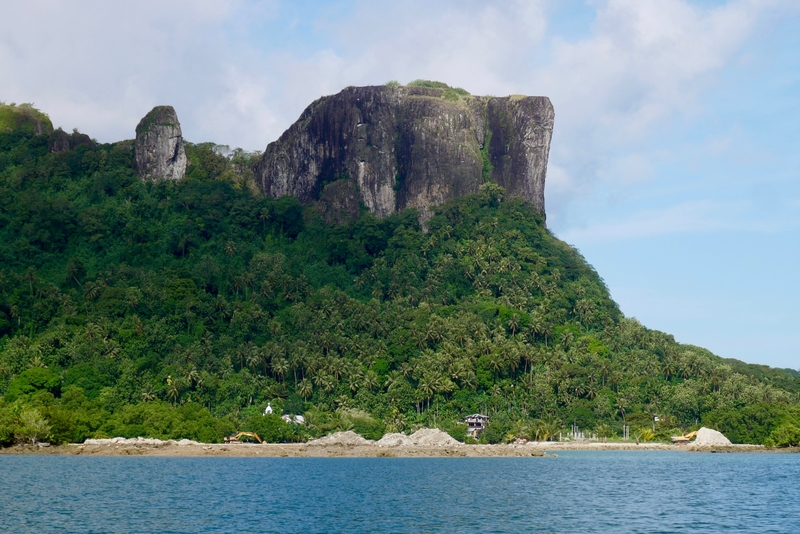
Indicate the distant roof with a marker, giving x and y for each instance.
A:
(477, 417)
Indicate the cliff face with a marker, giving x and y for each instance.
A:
(405, 147)
(61, 141)
(158, 149)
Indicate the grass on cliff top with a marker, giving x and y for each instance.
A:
(159, 115)
(13, 116)
(448, 93)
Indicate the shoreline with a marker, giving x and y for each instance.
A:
(306, 450)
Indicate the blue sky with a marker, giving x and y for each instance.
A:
(675, 164)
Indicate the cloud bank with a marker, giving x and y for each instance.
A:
(239, 72)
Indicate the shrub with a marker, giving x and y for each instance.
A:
(786, 435)
(33, 380)
(32, 426)
(271, 428)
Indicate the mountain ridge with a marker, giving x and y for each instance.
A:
(179, 308)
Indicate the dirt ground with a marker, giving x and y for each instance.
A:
(278, 450)
(360, 451)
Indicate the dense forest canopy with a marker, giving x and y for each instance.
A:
(179, 309)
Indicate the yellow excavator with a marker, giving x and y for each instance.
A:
(237, 438)
(684, 439)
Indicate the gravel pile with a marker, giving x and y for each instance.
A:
(425, 437)
(395, 440)
(342, 438)
(139, 441)
(433, 437)
(708, 436)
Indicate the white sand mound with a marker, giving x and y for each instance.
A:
(342, 438)
(139, 441)
(433, 437)
(708, 436)
(395, 440)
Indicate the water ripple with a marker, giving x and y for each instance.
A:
(610, 491)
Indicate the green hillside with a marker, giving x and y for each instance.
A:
(178, 310)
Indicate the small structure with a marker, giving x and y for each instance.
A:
(294, 419)
(476, 423)
(268, 409)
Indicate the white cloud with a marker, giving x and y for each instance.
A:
(682, 218)
(646, 63)
(100, 66)
(689, 217)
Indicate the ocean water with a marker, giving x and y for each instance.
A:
(609, 491)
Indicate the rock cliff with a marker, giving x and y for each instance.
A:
(61, 141)
(402, 147)
(158, 149)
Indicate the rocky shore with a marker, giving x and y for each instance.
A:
(346, 446)
(278, 450)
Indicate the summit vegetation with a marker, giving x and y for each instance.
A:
(180, 309)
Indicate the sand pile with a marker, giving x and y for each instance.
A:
(433, 437)
(342, 438)
(395, 440)
(424, 437)
(708, 436)
(139, 441)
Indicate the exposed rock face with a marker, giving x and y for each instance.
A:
(404, 147)
(158, 150)
(339, 202)
(61, 141)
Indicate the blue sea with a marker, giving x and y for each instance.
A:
(609, 491)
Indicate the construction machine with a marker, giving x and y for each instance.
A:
(684, 439)
(237, 438)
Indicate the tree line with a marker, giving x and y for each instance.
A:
(178, 310)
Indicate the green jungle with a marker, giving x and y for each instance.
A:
(179, 310)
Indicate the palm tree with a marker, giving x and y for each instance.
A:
(264, 215)
(74, 269)
(328, 383)
(546, 428)
(92, 290)
(30, 275)
(622, 405)
(496, 363)
(425, 387)
(280, 366)
(305, 388)
(584, 309)
(567, 338)
(669, 367)
(172, 389)
(513, 323)
(546, 330)
(371, 380)
(253, 359)
(605, 370)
